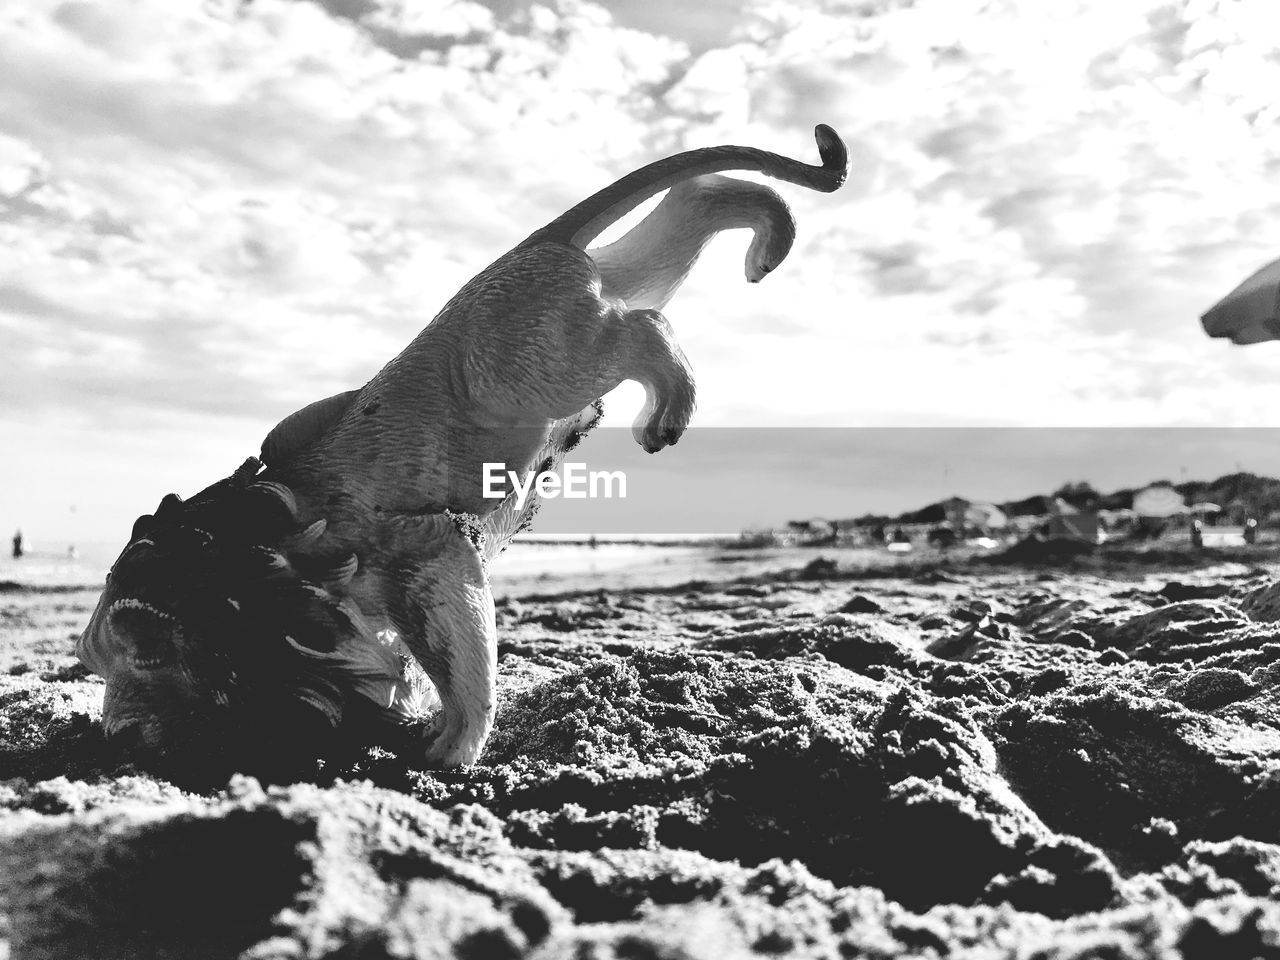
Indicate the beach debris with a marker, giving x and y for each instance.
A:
(819, 568)
(859, 603)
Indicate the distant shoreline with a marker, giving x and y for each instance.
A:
(628, 539)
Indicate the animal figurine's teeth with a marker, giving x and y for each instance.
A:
(150, 663)
(133, 603)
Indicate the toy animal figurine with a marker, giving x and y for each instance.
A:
(277, 602)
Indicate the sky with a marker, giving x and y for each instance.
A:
(214, 212)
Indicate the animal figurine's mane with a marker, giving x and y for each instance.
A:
(274, 615)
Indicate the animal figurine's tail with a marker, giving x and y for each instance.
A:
(581, 225)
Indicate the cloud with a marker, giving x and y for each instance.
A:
(244, 206)
(1039, 189)
(239, 204)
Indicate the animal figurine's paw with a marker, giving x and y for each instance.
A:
(448, 745)
(656, 361)
(663, 423)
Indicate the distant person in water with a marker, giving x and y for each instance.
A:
(17, 545)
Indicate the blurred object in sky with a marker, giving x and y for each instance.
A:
(1251, 312)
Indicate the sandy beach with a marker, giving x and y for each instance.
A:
(947, 759)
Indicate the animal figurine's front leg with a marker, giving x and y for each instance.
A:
(459, 651)
(436, 592)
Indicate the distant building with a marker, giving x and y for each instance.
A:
(1071, 524)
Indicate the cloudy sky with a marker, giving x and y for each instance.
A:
(213, 212)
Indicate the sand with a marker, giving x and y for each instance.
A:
(1058, 759)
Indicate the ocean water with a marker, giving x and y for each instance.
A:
(542, 568)
(544, 565)
(46, 568)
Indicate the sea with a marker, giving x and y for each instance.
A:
(538, 565)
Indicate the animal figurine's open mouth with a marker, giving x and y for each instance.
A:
(304, 588)
(154, 637)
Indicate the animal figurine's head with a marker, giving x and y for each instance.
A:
(218, 633)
